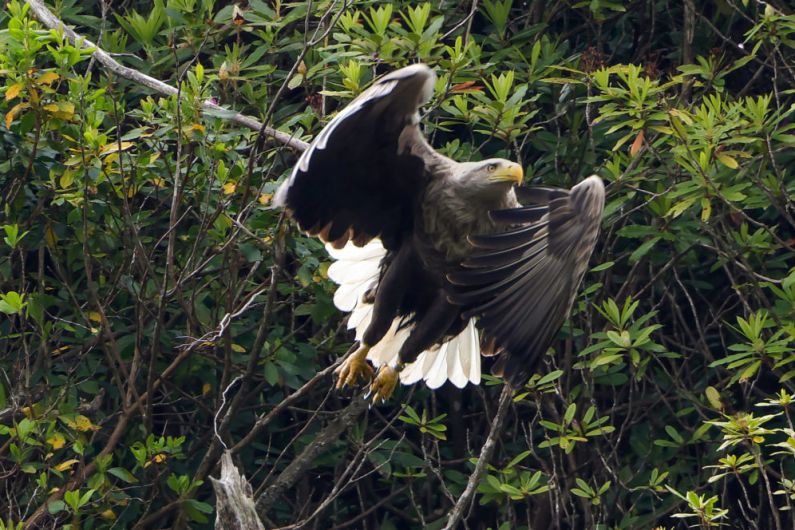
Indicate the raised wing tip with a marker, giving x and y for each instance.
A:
(411, 70)
(423, 71)
(592, 184)
(588, 197)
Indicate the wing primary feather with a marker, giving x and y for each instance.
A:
(489, 275)
(498, 257)
(526, 214)
(508, 239)
(477, 295)
(517, 281)
(539, 194)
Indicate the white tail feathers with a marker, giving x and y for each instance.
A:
(356, 270)
(457, 360)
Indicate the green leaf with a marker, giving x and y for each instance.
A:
(728, 359)
(56, 506)
(203, 507)
(295, 81)
(518, 458)
(674, 434)
(86, 497)
(507, 488)
(569, 414)
(642, 250)
(271, 373)
(551, 376)
(749, 372)
(583, 485)
(680, 207)
(123, 474)
(11, 302)
(605, 358)
(196, 510)
(713, 396)
(619, 339)
(728, 161)
(603, 266)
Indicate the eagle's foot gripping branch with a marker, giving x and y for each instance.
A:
(353, 368)
(384, 383)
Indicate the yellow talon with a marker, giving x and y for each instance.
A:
(384, 383)
(354, 367)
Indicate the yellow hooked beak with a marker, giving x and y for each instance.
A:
(510, 172)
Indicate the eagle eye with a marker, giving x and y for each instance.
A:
(491, 168)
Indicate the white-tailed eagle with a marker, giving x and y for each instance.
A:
(437, 260)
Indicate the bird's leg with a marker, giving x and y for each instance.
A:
(384, 383)
(388, 295)
(354, 367)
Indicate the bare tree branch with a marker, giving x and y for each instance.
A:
(234, 503)
(47, 18)
(344, 419)
(465, 500)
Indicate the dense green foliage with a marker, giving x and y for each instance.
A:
(142, 270)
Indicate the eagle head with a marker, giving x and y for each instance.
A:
(492, 178)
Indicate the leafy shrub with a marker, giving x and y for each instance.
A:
(151, 300)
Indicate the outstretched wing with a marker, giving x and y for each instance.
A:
(521, 283)
(363, 174)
